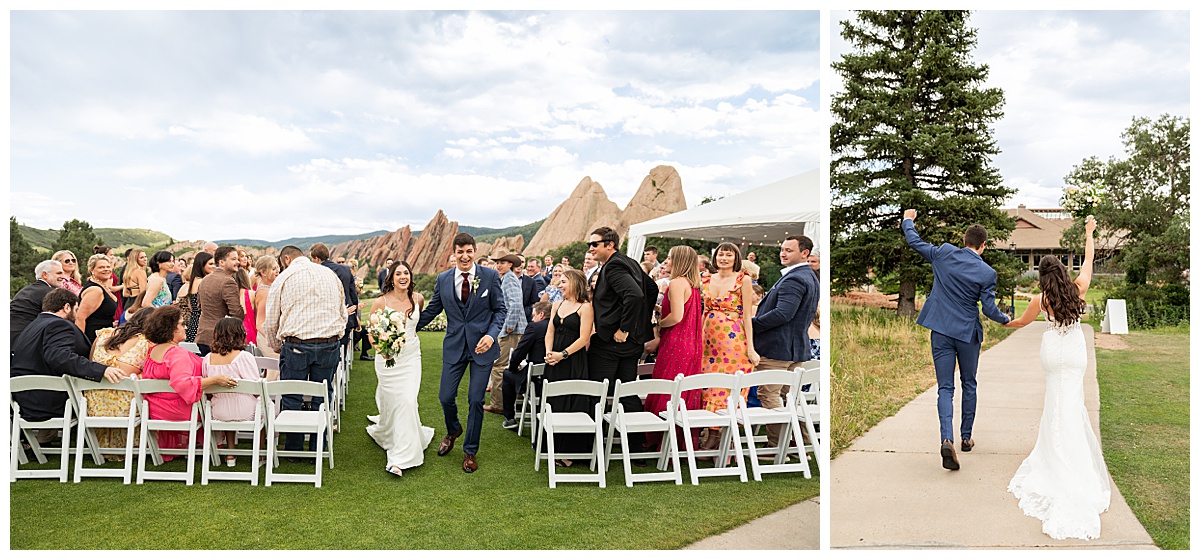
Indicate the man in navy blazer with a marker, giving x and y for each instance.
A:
(782, 321)
(474, 304)
(53, 345)
(961, 281)
(27, 302)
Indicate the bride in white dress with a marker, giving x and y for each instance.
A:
(398, 428)
(1064, 481)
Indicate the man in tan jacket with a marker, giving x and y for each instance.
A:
(218, 296)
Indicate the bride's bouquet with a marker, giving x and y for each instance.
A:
(387, 327)
(1082, 201)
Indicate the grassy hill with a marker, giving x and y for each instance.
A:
(120, 238)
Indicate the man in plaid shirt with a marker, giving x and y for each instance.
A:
(514, 326)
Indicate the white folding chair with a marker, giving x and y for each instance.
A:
(150, 440)
(552, 423)
(267, 365)
(337, 400)
(809, 408)
(749, 417)
(624, 422)
(190, 347)
(319, 422)
(692, 419)
(530, 404)
(255, 426)
(348, 359)
(86, 436)
(21, 425)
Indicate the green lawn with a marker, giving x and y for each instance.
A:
(505, 505)
(1144, 415)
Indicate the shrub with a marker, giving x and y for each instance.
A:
(1148, 306)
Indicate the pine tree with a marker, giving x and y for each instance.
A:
(22, 258)
(911, 131)
(77, 237)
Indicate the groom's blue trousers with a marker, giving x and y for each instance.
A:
(946, 352)
(452, 375)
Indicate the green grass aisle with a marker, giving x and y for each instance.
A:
(505, 505)
(1144, 415)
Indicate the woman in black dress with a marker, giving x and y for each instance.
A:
(97, 306)
(566, 339)
(189, 292)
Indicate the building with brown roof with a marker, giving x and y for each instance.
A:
(1038, 232)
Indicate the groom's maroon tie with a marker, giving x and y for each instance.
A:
(466, 286)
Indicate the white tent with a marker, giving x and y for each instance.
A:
(762, 216)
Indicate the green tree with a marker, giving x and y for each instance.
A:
(911, 130)
(1147, 200)
(77, 237)
(22, 258)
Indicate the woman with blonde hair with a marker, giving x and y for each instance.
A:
(266, 269)
(96, 305)
(134, 280)
(680, 347)
(70, 265)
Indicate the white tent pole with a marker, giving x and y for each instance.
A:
(637, 245)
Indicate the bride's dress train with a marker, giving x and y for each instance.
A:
(1064, 481)
(398, 428)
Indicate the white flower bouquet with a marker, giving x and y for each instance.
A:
(1082, 201)
(387, 328)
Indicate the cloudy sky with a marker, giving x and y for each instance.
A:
(274, 124)
(1072, 81)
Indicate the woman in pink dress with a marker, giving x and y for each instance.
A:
(728, 333)
(680, 332)
(248, 322)
(165, 330)
(228, 358)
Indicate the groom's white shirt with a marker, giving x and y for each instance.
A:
(458, 278)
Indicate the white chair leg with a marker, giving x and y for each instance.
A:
(208, 453)
(550, 455)
(608, 443)
(16, 453)
(625, 459)
(674, 450)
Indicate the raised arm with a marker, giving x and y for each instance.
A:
(908, 226)
(1084, 280)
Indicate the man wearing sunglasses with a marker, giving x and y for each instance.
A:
(623, 302)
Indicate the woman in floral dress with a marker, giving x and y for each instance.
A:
(728, 334)
(124, 348)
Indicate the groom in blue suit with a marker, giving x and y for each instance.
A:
(475, 311)
(961, 281)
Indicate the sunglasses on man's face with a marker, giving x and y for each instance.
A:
(594, 244)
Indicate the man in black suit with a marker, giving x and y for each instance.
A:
(532, 285)
(320, 254)
(623, 304)
(53, 345)
(27, 303)
(384, 271)
(532, 349)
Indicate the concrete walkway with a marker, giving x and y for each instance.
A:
(889, 490)
(797, 527)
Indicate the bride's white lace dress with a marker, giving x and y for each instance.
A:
(398, 429)
(1064, 481)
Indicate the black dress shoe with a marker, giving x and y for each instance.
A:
(365, 358)
(949, 459)
(967, 445)
(448, 442)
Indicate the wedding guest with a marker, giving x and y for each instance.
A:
(532, 285)
(705, 266)
(547, 268)
(116, 286)
(592, 286)
(97, 306)
(565, 261)
(157, 293)
(510, 334)
(728, 329)
(210, 248)
(782, 319)
(680, 344)
(759, 292)
(124, 348)
(202, 266)
(567, 335)
(245, 294)
(751, 257)
(647, 267)
(26, 304)
(227, 358)
(71, 267)
(219, 296)
(623, 303)
(165, 329)
(530, 350)
(553, 292)
(650, 255)
(485, 262)
(752, 270)
(134, 281)
(52, 345)
(814, 335)
(589, 266)
(383, 272)
(814, 261)
(268, 270)
(320, 255)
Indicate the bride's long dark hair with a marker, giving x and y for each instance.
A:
(1059, 293)
(389, 285)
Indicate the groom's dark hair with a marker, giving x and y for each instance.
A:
(975, 237)
(463, 239)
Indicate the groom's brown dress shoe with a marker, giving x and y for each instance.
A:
(469, 465)
(967, 445)
(448, 442)
(949, 459)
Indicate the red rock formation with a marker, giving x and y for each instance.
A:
(587, 208)
(431, 253)
(502, 246)
(660, 193)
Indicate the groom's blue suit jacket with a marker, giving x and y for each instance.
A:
(466, 323)
(960, 280)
